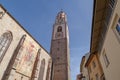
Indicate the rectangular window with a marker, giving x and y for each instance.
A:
(109, 10)
(84, 79)
(118, 27)
(91, 79)
(112, 2)
(102, 77)
(107, 16)
(106, 60)
(97, 76)
(93, 63)
(89, 68)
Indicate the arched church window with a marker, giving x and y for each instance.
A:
(49, 70)
(59, 29)
(5, 41)
(36, 64)
(42, 67)
(19, 49)
(15, 58)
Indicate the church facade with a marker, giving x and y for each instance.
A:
(23, 58)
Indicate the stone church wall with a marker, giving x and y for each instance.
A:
(21, 62)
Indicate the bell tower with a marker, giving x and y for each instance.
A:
(60, 48)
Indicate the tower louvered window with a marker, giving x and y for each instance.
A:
(5, 41)
(59, 29)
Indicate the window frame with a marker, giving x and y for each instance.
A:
(89, 69)
(118, 27)
(6, 37)
(106, 60)
(116, 21)
(93, 64)
(42, 70)
(97, 76)
(59, 29)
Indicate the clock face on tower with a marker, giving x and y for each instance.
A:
(59, 35)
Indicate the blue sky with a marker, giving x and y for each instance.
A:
(38, 17)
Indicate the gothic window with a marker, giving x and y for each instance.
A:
(5, 41)
(58, 42)
(58, 49)
(36, 64)
(60, 16)
(19, 50)
(58, 58)
(42, 67)
(20, 45)
(1, 14)
(59, 29)
(49, 70)
(14, 60)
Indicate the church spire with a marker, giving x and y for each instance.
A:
(61, 17)
(60, 48)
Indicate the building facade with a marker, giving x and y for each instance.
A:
(60, 48)
(94, 68)
(21, 56)
(105, 39)
(83, 69)
(78, 77)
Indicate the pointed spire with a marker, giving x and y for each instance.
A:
(61, 17)
(61, 12)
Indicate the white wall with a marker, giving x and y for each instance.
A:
(112, 49)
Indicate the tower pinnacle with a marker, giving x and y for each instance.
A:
(61, 17)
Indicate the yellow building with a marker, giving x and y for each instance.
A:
(21, 56)
(78, 77)
(83, 69)
(105, 39)
(94, 68)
